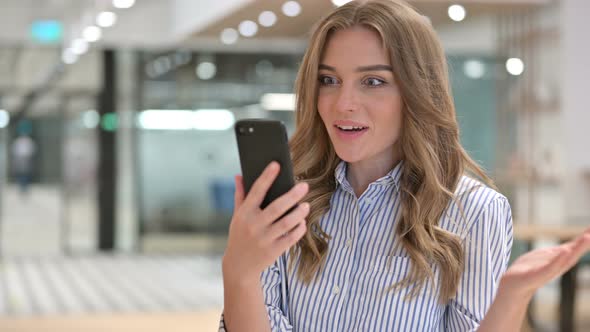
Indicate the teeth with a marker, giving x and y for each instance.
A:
(350, 127)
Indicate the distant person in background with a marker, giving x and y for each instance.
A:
(23, 154)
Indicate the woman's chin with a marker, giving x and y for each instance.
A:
(348, 156)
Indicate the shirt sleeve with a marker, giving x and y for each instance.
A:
(487, 247)
(275, 292)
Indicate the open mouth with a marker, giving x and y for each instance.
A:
(351, 128)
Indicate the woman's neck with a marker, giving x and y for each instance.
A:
(362, 173)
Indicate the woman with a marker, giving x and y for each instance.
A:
(393, 234)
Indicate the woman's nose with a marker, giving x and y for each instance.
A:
(348, 98)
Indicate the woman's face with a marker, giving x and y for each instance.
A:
(358, 99)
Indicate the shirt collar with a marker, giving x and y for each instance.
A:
(391, 178)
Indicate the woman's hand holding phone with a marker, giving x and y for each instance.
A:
(255, 239)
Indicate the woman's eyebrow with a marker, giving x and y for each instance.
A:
(375, 68)
(326, 67)
(360, 69)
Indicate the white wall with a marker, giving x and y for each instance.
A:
(474, 35)
(576, 108)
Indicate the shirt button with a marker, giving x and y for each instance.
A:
(336, 290)
(349, 243)
(369, 200)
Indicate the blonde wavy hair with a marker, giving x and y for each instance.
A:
(434, 159)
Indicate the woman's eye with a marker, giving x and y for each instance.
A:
(374, 81)
(327, 80)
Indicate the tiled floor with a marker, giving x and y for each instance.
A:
(46, 223)
(109, 284)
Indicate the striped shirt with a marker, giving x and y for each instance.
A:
(365, 257)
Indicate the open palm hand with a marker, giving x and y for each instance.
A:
(537, 267)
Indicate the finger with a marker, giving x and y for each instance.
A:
(577, 248)
(581, 244)
(289, 222)
(239, 193)
(282, 204)
(584, 240)
(262, 184)
(567, 255)
(290, 239)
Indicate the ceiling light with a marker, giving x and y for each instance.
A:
(92, 33)
(123, 4)
(206, 70)
(229, 36)
(457, 13)
(210, 119)
(91, 119)
(248, 28)
(79, 46)
(474, 69)
(515, 66)
(4, 118)
(213, 119)
(166, 119)
(291, 8)
(106, 19)
(267, 18)
(340, 2)
(278, 101)
(162, 65)
(68, 56)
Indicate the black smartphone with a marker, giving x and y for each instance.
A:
(260, 142)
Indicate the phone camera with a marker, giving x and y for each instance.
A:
(242, 130)
(250, 130)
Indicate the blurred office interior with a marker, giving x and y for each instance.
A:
(117, 153)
